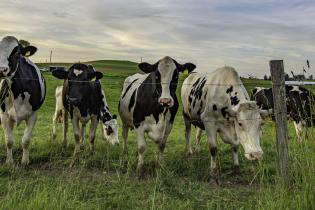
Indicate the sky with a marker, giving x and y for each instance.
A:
(244, 34)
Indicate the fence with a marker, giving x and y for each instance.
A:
(280, 111)
(278, 85)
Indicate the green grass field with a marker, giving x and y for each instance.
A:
(108, 179)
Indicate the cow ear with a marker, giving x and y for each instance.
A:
(60, 74)
(265, 113)
(146, 67)
(28, 51)
(96, 75)
(189, 66)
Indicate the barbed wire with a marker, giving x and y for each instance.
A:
(155, 83)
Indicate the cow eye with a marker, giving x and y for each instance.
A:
(240, 124)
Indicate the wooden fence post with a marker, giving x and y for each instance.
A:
(280, 111)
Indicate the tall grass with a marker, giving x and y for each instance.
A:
(108, 179)
(273, 194)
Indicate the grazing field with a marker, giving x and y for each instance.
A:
(108, 179)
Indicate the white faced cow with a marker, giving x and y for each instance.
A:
(82, 98)
(148, 103)
(218, 103)
(109, 128)
(22, 92)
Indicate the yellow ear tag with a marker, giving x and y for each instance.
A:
(28, 53)
(186, 72)
(93, 79)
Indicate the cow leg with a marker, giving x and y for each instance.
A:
(187, 134)
(234, 148)
(102, 132)
(198, 138)
(125, 130)
(30, 123)
(142, 146)
(236, 164)
(8, 125)
(212, 141)
(77, 134)
(82, 136)
(162, 143)
(298, 129)
(65, 128)
(54, 125)
(93, 127)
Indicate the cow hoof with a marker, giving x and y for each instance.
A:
(141, 173)
(197, 150)
(9, 161)
(215, 176)
(64, 145)
(189, 153)
(92, 152)
(25, 162)
(74, 161)
(215, 182)
(236, 171)
(82, 147)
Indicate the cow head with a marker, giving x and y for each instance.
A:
(164, 75)
(79, 77)
(10, 53)
(110, 130)
(248, 124)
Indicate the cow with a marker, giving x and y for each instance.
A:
(148, 104)
(218, 102)
(109, 128)
(23, 92)
(299, 103)
(82, 99)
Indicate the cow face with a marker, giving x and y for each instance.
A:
(248, 124)
(164, 75)
(79, 77)
(10, 52)
(110, 130)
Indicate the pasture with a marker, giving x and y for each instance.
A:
(108, 179)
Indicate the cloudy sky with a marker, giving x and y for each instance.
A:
(245, 34)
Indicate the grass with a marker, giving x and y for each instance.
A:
(108, 179)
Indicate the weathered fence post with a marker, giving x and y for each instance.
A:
(280, 111)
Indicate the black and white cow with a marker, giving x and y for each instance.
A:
(23, 92)
(148, 103)
(82, 99)
(299, 100)
(109, 127)
(218, 103)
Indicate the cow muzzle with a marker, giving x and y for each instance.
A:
(166, 102)
(254, 155)
(4, 70)
(74, 101)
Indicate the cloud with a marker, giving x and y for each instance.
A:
(211, 33)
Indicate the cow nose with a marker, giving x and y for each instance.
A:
(255, 156)
(166, 102)
(4, 70)
(74, 101)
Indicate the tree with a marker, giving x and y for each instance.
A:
(265, 77)
(24, 43)
(310, 77)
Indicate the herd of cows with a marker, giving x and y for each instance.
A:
(215, 102)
